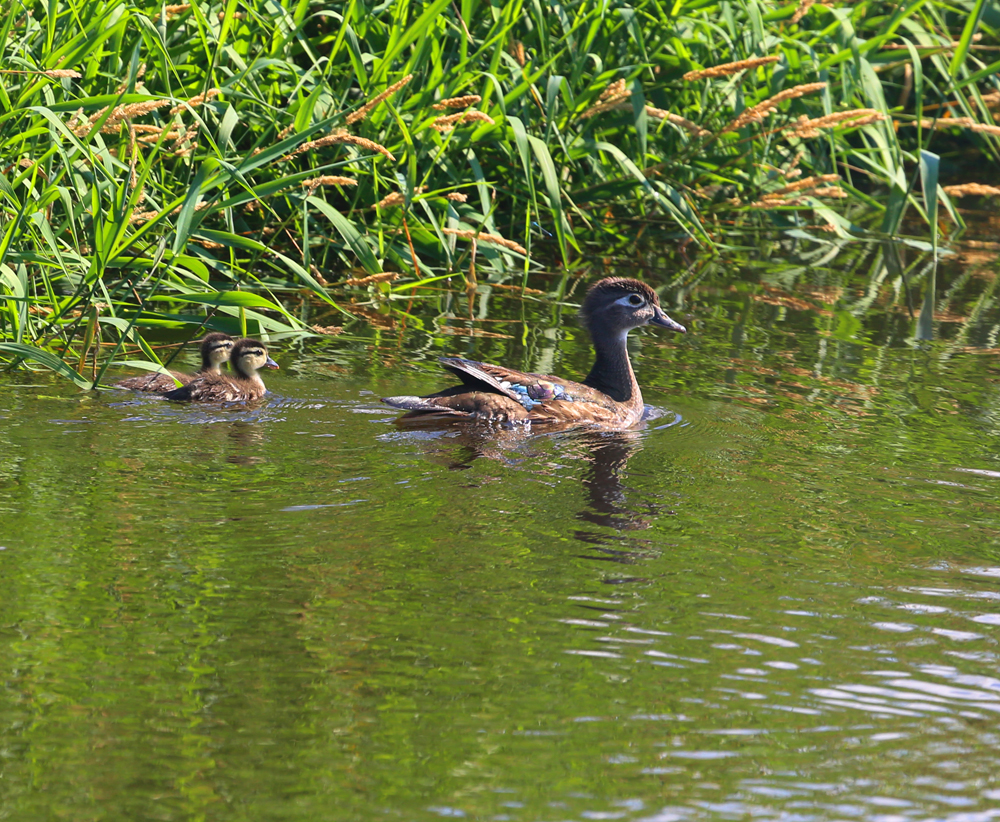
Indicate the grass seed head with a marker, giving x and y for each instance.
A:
(726, 69)
(382, 277)
(328, 180)
(142, 216)
(805, 128)
(448, 122)
(362, 112)
(197, 100)
(342, 136)
(677, 120)
(118, 114)
(957, 122)
(867, 121)
(614, 91)
(757, 113)
(777, 202)
(517, 52)
(390, 201)
(983, 128)
(152, 138)
(972, 190)
(494, 239)
(457, 102)
(804, 183)
(834, 192)
(800, 12)
(992, 99)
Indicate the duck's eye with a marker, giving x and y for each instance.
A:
(635, 300)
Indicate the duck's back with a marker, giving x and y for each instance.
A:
(217, 388)
(494, 392)
(155, 383)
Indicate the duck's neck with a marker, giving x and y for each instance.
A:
(612, 372)
(253, 377)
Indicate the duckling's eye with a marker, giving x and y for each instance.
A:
(635, 300)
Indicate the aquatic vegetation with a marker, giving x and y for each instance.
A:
(168, 170)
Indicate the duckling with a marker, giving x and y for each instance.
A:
(245, 385)
(609, 397)
(215, 350)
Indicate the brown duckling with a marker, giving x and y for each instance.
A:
(247, 357)
(215, 350)
(608, 397)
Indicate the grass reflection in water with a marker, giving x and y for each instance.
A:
(777, 599)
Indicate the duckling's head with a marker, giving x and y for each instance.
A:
(616, 305)
(250, 355)
(215, 350)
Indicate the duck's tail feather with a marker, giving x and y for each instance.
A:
(422, 405)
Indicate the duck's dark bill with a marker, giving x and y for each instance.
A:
(666, 322)
(270, 363)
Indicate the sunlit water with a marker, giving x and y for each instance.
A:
(778, 600)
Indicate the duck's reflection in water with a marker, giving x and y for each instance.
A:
(238, 442)
(615, 510)
(611, 504)
(247, 439)
(607, 456)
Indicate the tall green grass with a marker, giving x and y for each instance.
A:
(214, 208)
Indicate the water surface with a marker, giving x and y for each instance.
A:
(779, 599)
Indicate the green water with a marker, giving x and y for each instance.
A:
(779, 600)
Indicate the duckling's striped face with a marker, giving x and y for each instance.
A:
(218, 351)
(249, 356)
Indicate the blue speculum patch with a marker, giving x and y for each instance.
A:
(531, 395)
(523, 397)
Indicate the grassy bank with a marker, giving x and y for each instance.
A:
(169, 169)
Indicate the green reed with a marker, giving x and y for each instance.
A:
(170, 169)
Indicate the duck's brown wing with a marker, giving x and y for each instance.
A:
(154, 383)
(530, 390)
(480, 396)
(462, 402)
(218, 388)
(184, 393)
(205, 388)
(493, 392)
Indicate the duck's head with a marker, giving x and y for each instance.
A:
(215, 350)
(619, 304)
(250, 355)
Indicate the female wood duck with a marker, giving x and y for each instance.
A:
(245, 385)
(215, 349)
(608, 397)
